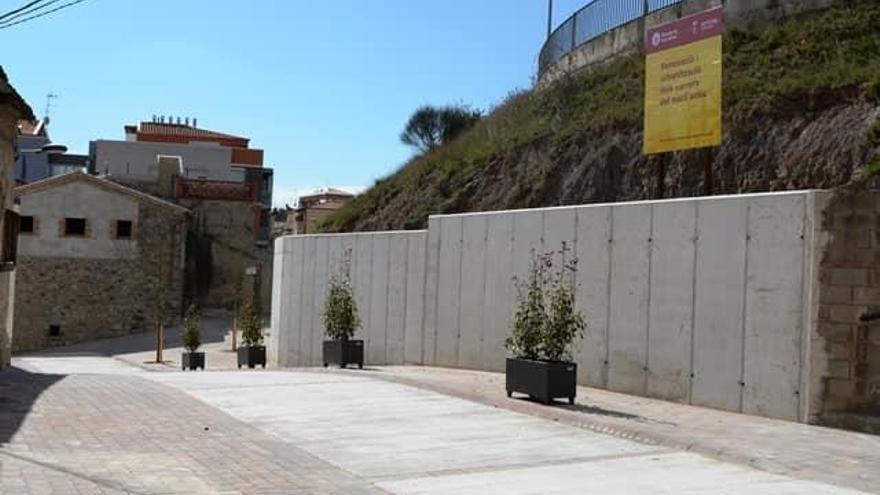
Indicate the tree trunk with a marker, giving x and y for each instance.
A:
(160, 342)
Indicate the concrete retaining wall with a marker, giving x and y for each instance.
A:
(701, 301)
(387, 273)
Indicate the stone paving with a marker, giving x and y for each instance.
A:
(116, 432)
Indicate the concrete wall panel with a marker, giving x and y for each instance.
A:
(432, 275)
(593, 251)
(448, 292)
(718, 303)
(473, 276)
(415, 292)
(774, 312)
(498, 296)
(376, 332)
(307, 337)
(322, 275)
(292, 319)
(559, 227)
(396, 299)
(672, 291)
(361, 281)
(630, 269)
(277, 339)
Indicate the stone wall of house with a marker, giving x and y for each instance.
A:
(222, 247)
(8, 120)
(92, 299)
(845, 351)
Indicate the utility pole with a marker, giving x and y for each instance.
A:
(549, 18)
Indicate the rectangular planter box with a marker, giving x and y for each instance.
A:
(192, 360)
(344, 352)
(252, 356)
(541, 380)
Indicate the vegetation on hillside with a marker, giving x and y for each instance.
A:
(430, 126)
(815, 61)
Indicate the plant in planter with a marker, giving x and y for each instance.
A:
(192, 339)
(252, 351)
(544, 327)
(341, 320)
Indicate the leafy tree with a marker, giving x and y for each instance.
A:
(340, 316)
(431, 126)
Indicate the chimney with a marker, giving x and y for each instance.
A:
(186, 121)
(178, 120)
(195, 122)
(130, 133)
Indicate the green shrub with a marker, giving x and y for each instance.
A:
(250, 325)
(192, 333)
(340, 315)
(546, 323)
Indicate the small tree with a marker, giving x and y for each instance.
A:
(431, 126)
(192, 334)
(546, 323)
(529, 318)
(340, 316)
(250, 326)
(564, 323)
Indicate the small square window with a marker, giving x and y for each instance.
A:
(75, 226)
(54, 330)
(26, 224)
(123, 229)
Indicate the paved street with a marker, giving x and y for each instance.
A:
(86, 423)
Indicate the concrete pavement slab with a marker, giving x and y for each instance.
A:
(407, 440)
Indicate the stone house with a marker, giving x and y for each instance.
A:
(12, 109)
(96, 259)
(222, 181)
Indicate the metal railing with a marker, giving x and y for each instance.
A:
(593, 20)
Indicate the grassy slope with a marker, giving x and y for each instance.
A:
(778, 71)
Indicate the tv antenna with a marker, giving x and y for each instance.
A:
(49, 98)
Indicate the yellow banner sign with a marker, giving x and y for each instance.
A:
(683, 83)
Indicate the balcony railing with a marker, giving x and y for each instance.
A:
(217, 190)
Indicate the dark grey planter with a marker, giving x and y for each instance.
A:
(251, 356)
(192, 360)
(541, 380)
(344, 352)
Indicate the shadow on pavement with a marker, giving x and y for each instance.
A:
(19, 390)
(214, 330)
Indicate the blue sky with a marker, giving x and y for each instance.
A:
(323, 86)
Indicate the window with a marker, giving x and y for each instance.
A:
(123, 229)
(75, 226)
(26, 224)
(54, 330)
(10, 240)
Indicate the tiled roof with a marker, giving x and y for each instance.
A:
(329, 191)
(31, 128)
(101, 182)
(180, 130)
(9, 96)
